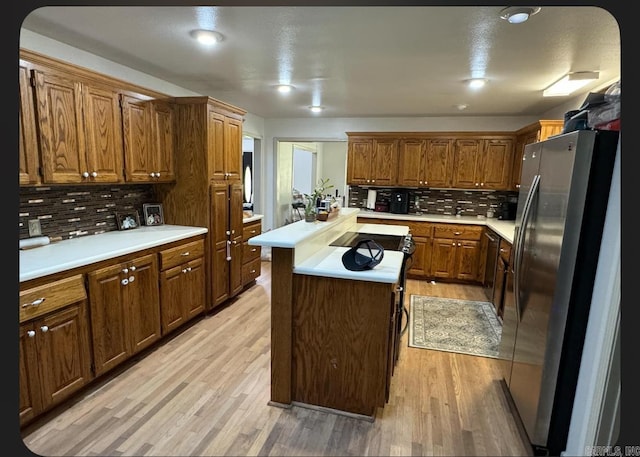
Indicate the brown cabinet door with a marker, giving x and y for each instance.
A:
(138, 155)
(194, 291)
(28, 139)
(62, 340)
(220, 242)
(443, 258)
(110, 320)
(466, 163)
(411, 158)
(384, 162)
(497, 160)
(30, 397)
(421, 258)
(59, 116)
(359, 155)
(438, 166)
(215, 145)
(467, 260)
(103, 133)
(163, 137)
(233, 149)
(172, 289)
(143, 302)
(236, 228)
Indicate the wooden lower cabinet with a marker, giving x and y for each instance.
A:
(455, 259)
(251, 261)
(54, 359)
(125, 310)
(182, 284)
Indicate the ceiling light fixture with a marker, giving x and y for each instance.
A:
(476, 83)
(518, 14)
(316, 109)
(570, 83)
(284, 88)
(207, 37)
(461, 107)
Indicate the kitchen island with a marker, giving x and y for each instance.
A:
(332, 329)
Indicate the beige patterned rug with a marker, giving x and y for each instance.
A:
(446, 324)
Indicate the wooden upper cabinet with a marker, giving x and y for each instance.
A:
(359, 154)
(148, 139)
(497, 159)
(28, 139)
(225, 146)
(80, 130)
(372, 161)
(439, 163)
(467, 163)
(412, 162)
(532, 133)
(482, 163)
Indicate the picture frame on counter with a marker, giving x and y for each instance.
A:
(153, 214)
(128, 220)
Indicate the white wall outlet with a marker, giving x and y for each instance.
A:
(34, 227)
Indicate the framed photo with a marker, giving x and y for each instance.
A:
(127, 221)
(153, 214)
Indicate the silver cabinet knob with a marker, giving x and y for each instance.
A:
(184, 270)
(125, 270)
(85, 174)
(94, 174)
(44, 329)
(157, 174)
(133, 268)
(459, 244)
(132, 278)
(31, 333)
(124, 282)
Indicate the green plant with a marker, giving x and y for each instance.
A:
(319, 192)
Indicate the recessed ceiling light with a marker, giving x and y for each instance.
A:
(316, 109)
(207, 37)
(284, 88)
(461, 106)
(476, 83)
(518, 14)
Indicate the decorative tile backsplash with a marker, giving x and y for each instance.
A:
(439, 201)
(73, 211)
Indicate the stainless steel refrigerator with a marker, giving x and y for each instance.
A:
(560, 216)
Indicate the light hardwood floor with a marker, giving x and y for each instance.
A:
(205, 392)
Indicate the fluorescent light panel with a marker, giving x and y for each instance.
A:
(570, 83)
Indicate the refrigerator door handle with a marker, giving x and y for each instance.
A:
(526, 213)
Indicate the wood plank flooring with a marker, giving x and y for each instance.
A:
(205, 392)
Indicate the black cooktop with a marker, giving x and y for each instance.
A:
(389, 242)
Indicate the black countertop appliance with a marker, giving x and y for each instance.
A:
(507, 211)
(399, 203)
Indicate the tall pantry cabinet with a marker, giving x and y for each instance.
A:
(208, 187)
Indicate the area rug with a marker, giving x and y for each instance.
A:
(446, 324)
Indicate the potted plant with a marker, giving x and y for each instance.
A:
(312, 200)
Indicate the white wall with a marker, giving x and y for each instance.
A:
(334, 165)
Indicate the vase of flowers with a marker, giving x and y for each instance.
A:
(313, 199)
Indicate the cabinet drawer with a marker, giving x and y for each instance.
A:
(49, 297)
(180, 254)
(458, 231)
(249, 253)
(250, 271)
(505, 250)
(251, 229)
(419, 228)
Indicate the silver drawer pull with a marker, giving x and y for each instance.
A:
(185, 254)
(35, 302)
(254, 249)
(253, 231)
(252, 271)
(457, 233)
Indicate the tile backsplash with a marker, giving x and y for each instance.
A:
(439, 201)
(73, 211)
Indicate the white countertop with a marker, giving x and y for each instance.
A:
(328, 263)
(503, 228)
(255, 217)
(85, 250)
(290, 235)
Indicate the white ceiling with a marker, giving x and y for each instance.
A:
(356, 61)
